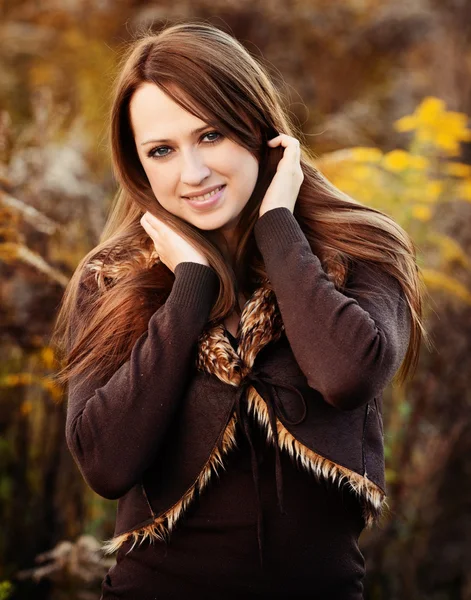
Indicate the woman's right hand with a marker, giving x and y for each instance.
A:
(171, 247)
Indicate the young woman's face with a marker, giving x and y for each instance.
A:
(179, 161)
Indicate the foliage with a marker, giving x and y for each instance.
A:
(413, 185)
(6, 590)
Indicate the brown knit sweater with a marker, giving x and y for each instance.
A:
(147, 434)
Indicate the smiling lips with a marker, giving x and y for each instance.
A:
(205, 196)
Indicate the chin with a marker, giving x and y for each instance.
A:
(209, 224)
(211, 221)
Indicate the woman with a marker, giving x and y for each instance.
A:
(230, 337)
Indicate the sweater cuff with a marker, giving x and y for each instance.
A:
(277, 226)
(195, 285)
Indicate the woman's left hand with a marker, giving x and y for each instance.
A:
(284, 187)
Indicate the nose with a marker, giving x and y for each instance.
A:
(193, 170)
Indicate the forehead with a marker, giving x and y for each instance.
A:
(154, 113)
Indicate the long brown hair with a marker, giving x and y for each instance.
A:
(210, 74)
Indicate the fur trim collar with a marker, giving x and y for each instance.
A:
(260, 324)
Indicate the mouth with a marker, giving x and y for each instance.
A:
(205, 197)
(208, 200)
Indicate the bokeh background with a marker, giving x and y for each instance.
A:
(381, 90)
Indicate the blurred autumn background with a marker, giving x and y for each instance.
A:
(382, 92)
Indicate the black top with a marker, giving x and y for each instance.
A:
(311, 551)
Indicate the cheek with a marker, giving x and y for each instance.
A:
(241, 166)
(149, 171)
(161, 181)
(248, 172)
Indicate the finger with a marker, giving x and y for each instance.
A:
(285, 140)
(147, 225)
(150, 219)
(292, 149)
(153, 220)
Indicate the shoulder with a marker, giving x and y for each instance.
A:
(99, 274)
(379, 291)
(371, 279)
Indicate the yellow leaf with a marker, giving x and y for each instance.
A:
(455, 121)
(450, 248)
(396, 160)
(25, 378)
(464, 190)
(449, 142)
(51, 387)
(362, 173)
(424, 136)
(48, 357)
(434, 125)
(436, 279)
(418, 162)
(429, 110)
(407, 123)
(10, 380)
(15, 379)
(422, 212)
(433, 190)
(457, 169)
(364, 154)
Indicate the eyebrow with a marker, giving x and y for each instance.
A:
(194, 132)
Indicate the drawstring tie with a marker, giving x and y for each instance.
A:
(264, 384)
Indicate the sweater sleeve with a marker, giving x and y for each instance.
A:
(114, 429)
(348, 346)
